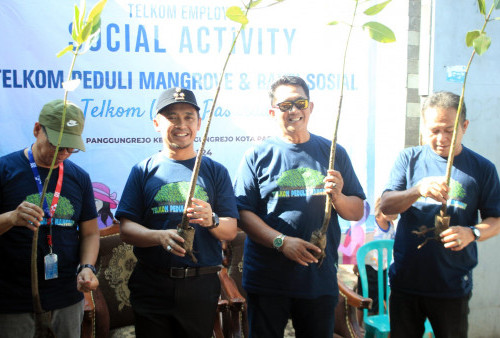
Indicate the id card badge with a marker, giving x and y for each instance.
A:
(50, 266)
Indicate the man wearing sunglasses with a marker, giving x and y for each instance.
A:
(280, 189)
(68, 239)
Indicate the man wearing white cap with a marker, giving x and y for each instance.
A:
(68, 240)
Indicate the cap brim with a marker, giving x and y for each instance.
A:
(165, 105)
(67, 141)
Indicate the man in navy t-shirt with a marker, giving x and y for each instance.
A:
(68, 238)
(280, 189)
(435, 281)
(171, 295)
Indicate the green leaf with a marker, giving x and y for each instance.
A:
(96, 26)
(76, 23)
(255, 3)
(482, 43)
(74, 32)
(65, 50)
(482, 6)
(497, 4)
(379, 32)
(471, 36)
(96, 11)
(78, 40)
(235, 14)
(86, 31)
(333, 23)
(377, 8)
(497, 18)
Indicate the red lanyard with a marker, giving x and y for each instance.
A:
(49, 212)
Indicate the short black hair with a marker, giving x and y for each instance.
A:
(444, 100)
(291, 80)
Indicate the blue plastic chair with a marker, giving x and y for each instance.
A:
(378, 325)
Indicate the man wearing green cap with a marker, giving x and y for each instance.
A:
(68, 241)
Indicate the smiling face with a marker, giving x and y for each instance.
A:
(178, 125)
(293, 123)
(438, 130)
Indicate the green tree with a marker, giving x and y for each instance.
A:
(177, 193)
(456, 190)
(84, 30)
(64, 207)
(301, 178)
(186, 231)
(379, 33)
(480, 42)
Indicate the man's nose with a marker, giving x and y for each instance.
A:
(441, 136)
(294, 108)
(181, 123)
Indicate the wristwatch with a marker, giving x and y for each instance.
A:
(278, 241)
(215, 221)
(476, 232)
(83, 266)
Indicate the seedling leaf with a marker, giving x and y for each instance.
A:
(64, 50)
(482, 43)
(379, 32)
(235, 14)
(376, 8)
(471, 36)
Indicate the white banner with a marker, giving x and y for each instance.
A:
(148, 46)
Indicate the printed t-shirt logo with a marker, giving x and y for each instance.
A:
(300, 182)
(172, 196)
(457, 195)
(64, 211)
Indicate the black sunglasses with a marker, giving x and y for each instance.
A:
(61, 149)
(288, 105)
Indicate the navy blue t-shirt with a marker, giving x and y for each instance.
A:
(283, 184)
(76, 204)
(433, 270)
(154, 197)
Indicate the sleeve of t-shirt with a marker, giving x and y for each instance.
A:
(246, 187)
(131, 202)
(225, 203)
(489, 205)
(397, 177)
(89, 210)
(352, 187)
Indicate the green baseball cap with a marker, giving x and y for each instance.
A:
(50, 117)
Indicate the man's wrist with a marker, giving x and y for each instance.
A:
(83, 266)
(278, 242)
(215, 221)
(418, 193)
(475, 232)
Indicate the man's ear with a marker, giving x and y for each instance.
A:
(156, 123)
(37, 129)
(465, 125)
